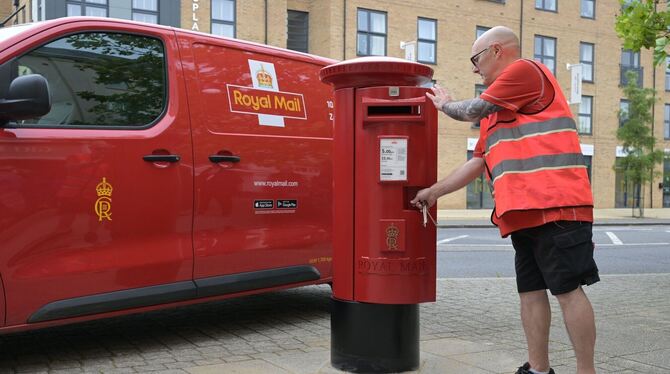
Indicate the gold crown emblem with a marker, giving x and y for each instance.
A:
(264, 78)
(392, 232)
(103, 188)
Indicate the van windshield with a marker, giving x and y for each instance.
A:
(8, 32)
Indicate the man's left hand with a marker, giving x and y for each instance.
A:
(440, 96)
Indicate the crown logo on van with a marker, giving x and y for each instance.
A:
(264, 78)
(103, 206)
(103, 188)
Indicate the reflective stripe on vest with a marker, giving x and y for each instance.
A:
(538, 163)
(531, 129)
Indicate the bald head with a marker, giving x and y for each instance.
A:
(501, 35)
(492, 52)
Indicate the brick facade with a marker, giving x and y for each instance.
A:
(331, 36)
(456, 24)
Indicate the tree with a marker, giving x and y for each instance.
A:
(637, 140)
(642, 25)
(131, 70)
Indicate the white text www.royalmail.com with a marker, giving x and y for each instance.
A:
(275, 184)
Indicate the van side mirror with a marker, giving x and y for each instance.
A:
(28, 97)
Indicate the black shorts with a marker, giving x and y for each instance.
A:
(557, 256)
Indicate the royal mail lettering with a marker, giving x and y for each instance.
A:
(256, 101)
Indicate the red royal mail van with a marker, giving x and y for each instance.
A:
(144, 166)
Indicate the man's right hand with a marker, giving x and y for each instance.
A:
(425, 196)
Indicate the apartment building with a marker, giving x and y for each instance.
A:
(556, 32)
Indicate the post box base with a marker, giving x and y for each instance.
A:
(374, 338)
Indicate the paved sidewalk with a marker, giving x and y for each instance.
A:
(482, 217)
(473, 327)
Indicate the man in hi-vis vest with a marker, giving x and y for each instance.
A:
(529, 149)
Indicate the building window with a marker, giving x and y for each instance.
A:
(545, 51)
(298, 31)
(666, 181)
(145, 11)
(667, 73)
(549, 5)
(223, 18)
(480, 31)
(429, 84)
(588, 160)
(588, 9)
(586, 59)
(427, 40)
(39, 10)
(479, 88)
(630, 61)
(478, 192)
(99, 79)
(666, 122)
(96, 8)
(586, 115)
(624, 107)
(371, 37)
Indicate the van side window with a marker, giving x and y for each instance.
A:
(99, 80)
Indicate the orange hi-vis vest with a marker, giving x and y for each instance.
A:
(534, 160)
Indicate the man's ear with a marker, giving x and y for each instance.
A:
(497, 48)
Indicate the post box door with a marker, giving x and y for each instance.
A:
(395, 156)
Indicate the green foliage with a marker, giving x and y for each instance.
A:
(130, 68)
(636, 137)
(642, 25)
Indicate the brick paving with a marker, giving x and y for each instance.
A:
(474, 327)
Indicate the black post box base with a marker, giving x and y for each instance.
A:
(374, 338)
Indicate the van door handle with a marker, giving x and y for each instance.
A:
(223, 158)
(161, 158)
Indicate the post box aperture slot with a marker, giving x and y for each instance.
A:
(396, 110)
(399, 110)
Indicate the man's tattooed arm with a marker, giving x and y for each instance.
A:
(470, 110)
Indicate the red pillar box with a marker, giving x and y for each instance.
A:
(385, 150)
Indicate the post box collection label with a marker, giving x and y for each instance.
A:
(392, 159)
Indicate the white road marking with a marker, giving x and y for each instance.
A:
(613, 238)
(601, 274)
(508, 247)
(629, 228)
(479, 245)
(447, 240)
(629, 244)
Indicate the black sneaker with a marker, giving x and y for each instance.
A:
(525, 369)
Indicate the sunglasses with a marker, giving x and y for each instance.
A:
(475, 59)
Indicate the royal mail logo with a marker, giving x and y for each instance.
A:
(264, 78)
(392, 233)
(254, 101)
(264, 98)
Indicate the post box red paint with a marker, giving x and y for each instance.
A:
(385, 150)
